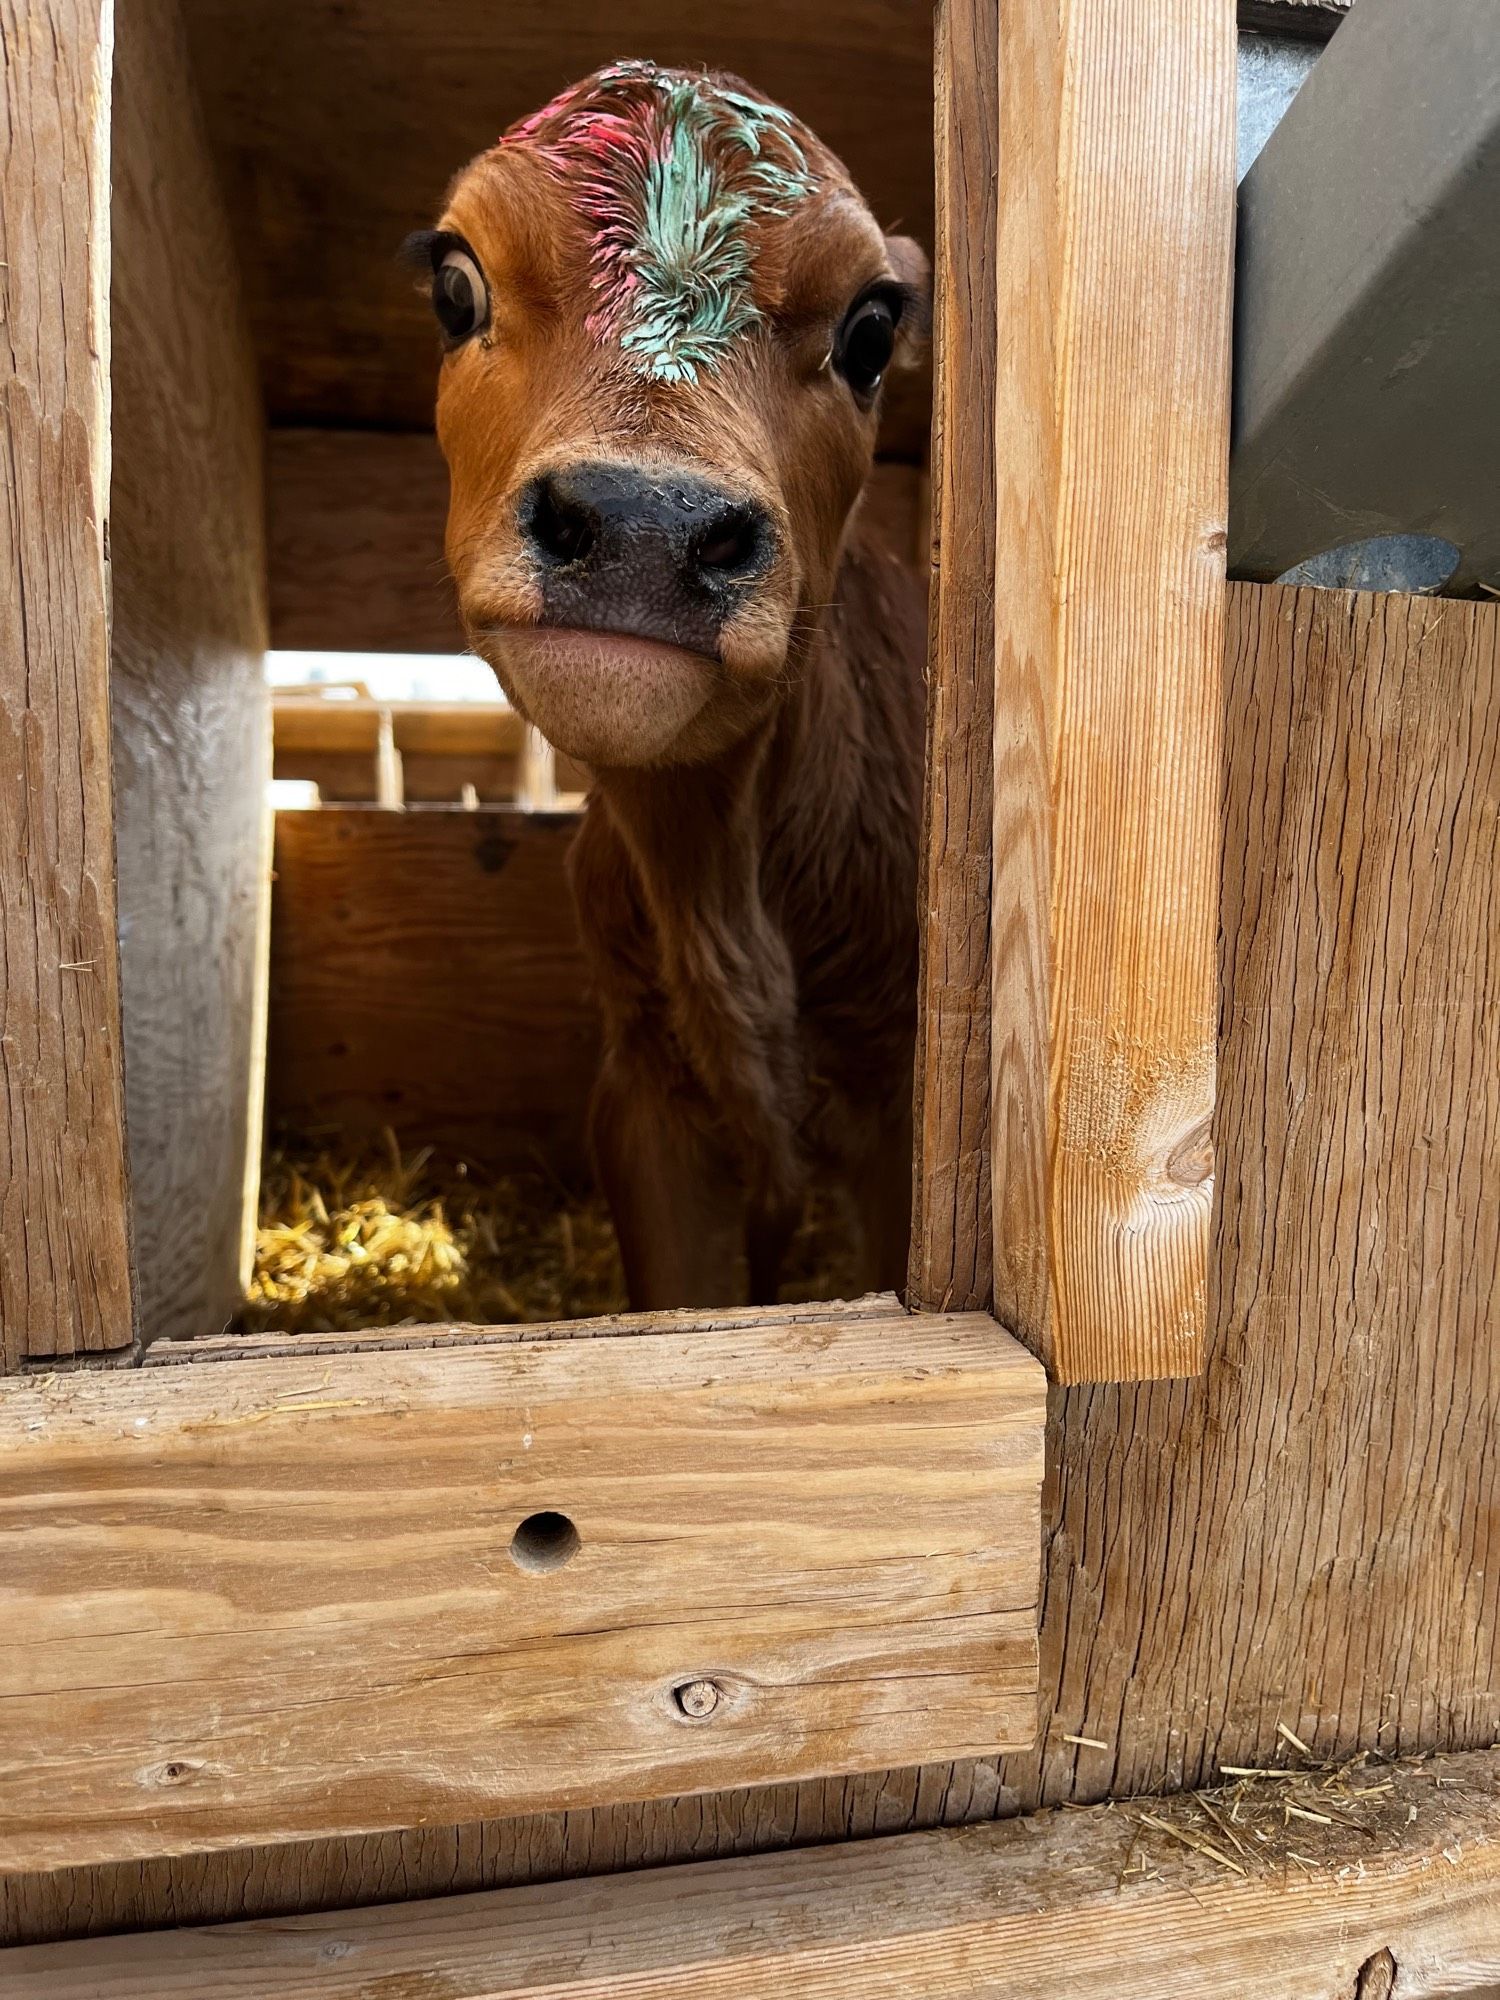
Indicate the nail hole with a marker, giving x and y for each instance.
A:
(544, 1541)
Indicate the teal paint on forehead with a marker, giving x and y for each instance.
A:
(676, 176)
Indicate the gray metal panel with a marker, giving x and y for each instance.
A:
(1367, 350)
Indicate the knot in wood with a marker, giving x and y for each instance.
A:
(697, 1699)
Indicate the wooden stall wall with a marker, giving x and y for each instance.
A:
(1302, 1535)
(191, 717)
(64, 1240)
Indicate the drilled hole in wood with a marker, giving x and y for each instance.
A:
(544, 1541)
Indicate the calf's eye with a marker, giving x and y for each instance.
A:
(459, 295)
(866, 342)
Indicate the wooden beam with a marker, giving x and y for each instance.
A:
(426, 975)
(262, 1598)
(1149, 1900)
(191, 716)
(1116, 193)
(64, 1226)
(952, 1224)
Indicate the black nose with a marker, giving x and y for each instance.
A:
(657, 552)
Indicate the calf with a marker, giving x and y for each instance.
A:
(667, 316)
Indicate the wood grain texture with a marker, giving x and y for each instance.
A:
(322, 186)
(279, 1597)
(191, 715)
(426, 975)
(1114, 259)
(952, 1225)
(1062, 1904)
(64, 1225)
(1303, 1535)
(355, 525)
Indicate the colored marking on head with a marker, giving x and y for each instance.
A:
(675, 174)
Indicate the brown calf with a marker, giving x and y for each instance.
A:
(668, 313)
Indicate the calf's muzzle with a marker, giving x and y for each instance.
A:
(652, 552)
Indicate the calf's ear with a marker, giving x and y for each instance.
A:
(909, 262)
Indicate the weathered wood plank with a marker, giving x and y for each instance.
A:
(952, 1225)
(191, 717)
(286, 1597)
(426, 975)
(1062, 1904)
(64, 1226)
(1116, 210)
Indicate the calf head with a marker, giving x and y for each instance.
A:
(667, 314)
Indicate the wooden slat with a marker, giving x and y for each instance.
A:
(1114, 262)
(191, 719)
(1066, 1904)
(64, 1228)
(278, 1597)
(426, 975)
(952, 1224)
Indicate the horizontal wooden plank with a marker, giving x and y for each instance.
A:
(426, 975)
(299, 1596)
(1121, 1900)
(355, 525)
(441, 728)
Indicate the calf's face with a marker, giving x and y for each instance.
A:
(667, 314)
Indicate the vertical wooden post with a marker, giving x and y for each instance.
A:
(1116, 177)
(192, 725)
(951, 1220)
(64, 1234)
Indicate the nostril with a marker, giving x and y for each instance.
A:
(731, 543)
(563, 529)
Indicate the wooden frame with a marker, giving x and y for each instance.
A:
(923, 1450)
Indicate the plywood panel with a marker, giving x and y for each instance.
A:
(1401, 1894)
(324, 180)
(64, 1228)
(257, 1598)
(1115, 247)
(191, 717)
(426, 975)
(951, 1213)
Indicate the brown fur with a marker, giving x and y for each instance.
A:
(745, 877)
